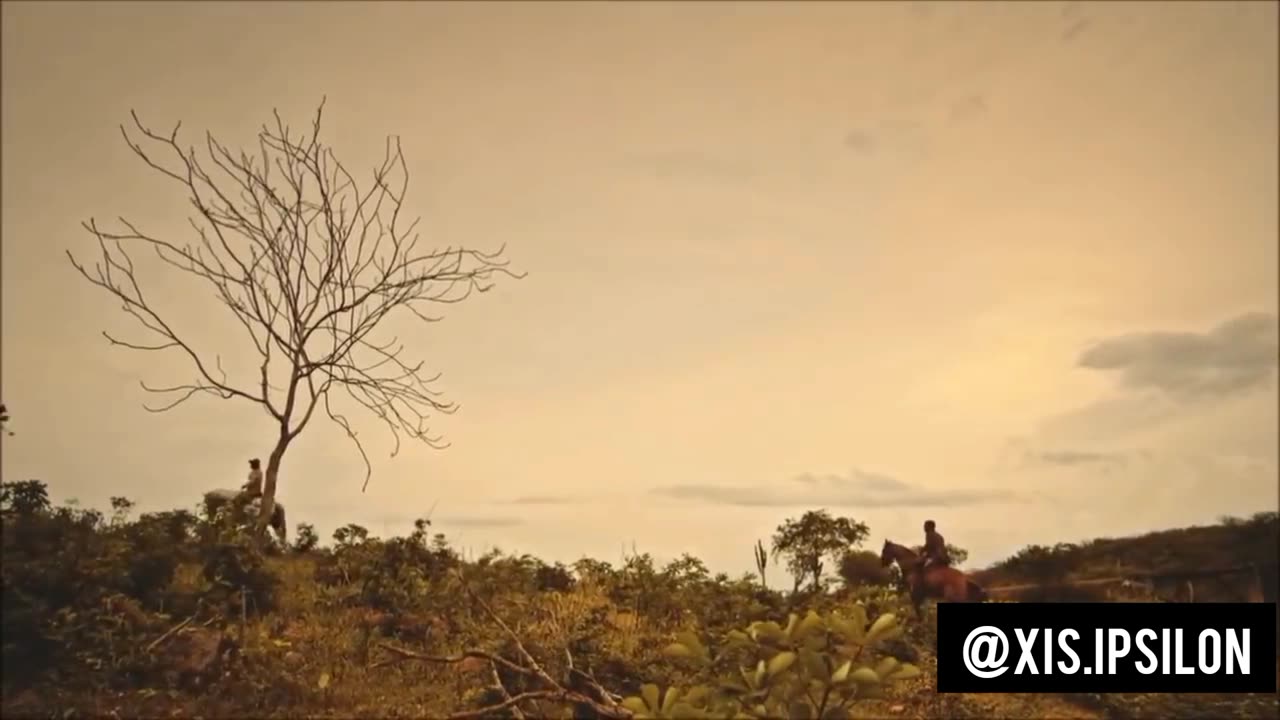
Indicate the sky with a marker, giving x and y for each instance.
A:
(1011, 267)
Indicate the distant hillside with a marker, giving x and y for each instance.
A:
(1171, 555)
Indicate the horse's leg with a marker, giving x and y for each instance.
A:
(917, 599)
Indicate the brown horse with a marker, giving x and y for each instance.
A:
(938, 582)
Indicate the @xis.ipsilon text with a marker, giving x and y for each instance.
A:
(1149, 651)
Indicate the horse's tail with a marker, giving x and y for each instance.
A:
(976, 592)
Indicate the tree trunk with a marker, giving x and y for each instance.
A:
(268, 504)
(816, 571)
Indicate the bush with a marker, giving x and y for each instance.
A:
(815, 667)
(862, 568)
(305, 538)
(78, 589)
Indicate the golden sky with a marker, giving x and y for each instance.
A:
(1012, 267)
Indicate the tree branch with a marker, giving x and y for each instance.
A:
(309, 262)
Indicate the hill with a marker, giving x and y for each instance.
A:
(1233, 561)
(174, 615)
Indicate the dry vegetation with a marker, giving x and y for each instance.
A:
(180, 614)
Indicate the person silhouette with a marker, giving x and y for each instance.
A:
(935, 547)
(252, 489)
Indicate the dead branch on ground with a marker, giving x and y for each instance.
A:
(604, 703)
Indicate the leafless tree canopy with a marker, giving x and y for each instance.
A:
(309, 262)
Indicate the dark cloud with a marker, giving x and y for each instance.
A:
(858, 489)
(1238, 355)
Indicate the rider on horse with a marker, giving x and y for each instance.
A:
(252, 489)
(935, 548)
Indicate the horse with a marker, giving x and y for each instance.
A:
(939, 582)
(214, 500)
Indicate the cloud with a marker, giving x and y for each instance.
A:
(1238, 355)
(860, 141)
(478, 521)
(858, 489)
(540, 500)
(890, 138)
(1105, 462)
(968, 107)
(691, 164)
(1075, 29)
(455, 521)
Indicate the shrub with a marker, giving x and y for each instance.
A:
(815, 667)
(862, 568)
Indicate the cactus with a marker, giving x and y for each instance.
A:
(762, 561)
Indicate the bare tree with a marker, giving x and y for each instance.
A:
(310, 263)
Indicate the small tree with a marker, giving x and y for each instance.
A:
(310, 264)
(26, 497)
(816, 535)
(862, 568)
(958, 555)
(306, 538)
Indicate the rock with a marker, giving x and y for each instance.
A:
(294, 659)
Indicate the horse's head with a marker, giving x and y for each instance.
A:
(886, 554)
(893, 552)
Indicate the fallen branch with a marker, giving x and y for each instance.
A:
(605, 704)
(556, 693)
(405, 654)
(168, 634)
(512, 703)
(506, 694)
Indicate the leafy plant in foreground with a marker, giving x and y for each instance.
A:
(812, 669)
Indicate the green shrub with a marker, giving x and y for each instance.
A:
(814, 667)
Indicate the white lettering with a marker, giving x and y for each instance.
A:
(1178, 657)
(1143, 668)
(1026, 641)
(1172, 658)
(1238, 651)
(1066, 649)
(1114, 652)
(1205, 667)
